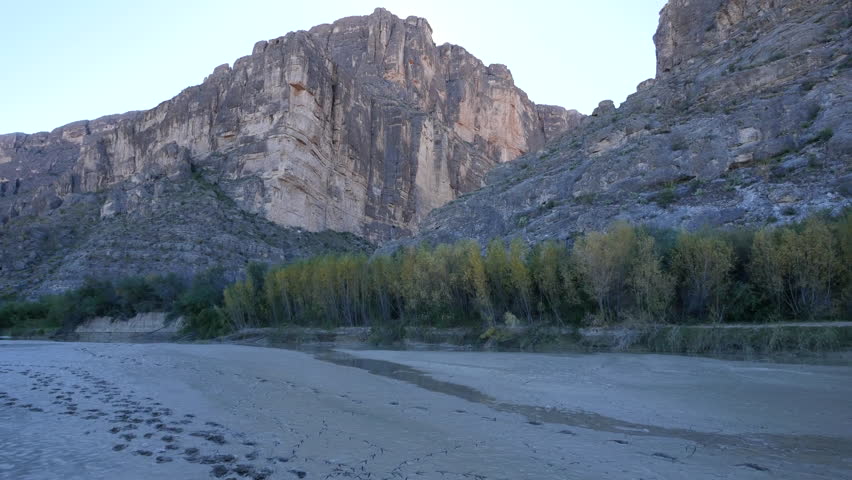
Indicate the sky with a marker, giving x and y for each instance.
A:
(63, 61)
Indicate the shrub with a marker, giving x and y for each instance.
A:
(824, 135)
(666, 197)
(16, 314)
(204, 291)
(209, 322)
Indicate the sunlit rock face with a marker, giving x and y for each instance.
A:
(362, 126)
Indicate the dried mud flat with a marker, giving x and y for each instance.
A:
(91, 411)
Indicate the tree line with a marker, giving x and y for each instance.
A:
(625, 274)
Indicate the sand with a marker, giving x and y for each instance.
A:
(96, 410)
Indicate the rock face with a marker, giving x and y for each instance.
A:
(360, 126)
(363, 126)
(748, 122)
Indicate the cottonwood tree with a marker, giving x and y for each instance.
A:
(797, 269)
(703, 264)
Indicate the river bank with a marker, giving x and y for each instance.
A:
(790, 341)
(782, 340)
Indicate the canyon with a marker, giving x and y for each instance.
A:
(361, 126)
(364, 133)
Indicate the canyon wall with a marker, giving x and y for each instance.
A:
(748, 122)
(362, 126)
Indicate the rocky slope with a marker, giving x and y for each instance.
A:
(360, 126)
(748, 122)
(183, 227)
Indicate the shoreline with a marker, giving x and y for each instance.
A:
(791, 342)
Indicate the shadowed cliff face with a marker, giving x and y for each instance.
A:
(747, 123)
(363, 126)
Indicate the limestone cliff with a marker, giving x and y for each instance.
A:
(748, 122)
(363, 125)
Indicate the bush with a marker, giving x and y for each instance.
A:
(208, 322)
(666, 197)
(204, 291)
(17, 314)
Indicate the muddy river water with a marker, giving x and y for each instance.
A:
(128, 411)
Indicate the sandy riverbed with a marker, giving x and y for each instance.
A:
(91, 411)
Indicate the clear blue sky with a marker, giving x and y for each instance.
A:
(64, 61)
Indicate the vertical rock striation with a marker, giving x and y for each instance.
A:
(363, 125)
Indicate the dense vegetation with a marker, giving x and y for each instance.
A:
(626, 274)
(196, 299)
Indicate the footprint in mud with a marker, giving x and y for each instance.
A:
(664, 456)
(130, 419)
(214, 437)
(164, 428)
(753, 466)
(244, 470)
(214, 459)
(219, 471)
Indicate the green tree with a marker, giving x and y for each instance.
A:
(650, 285)
(621, 270)
(603, 260)
(497, 271)
(797, 269)
(703, 264)
(520, 280)
(475, 279)
(554, 277)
